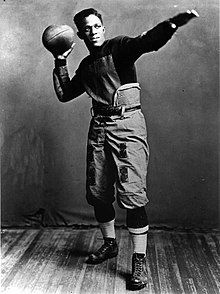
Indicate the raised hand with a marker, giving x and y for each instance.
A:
(65, 54)
(183, 18)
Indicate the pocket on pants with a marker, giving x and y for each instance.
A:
(130, 181)
(131, 190)
(123, 172)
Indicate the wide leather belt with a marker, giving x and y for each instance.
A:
(113, 110)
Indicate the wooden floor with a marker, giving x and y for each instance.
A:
(53, 261)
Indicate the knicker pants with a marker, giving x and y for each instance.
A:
(117, 159)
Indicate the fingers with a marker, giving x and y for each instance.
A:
(192, 14)
(65, 54)
(193, 11)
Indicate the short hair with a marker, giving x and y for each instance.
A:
(78, 18)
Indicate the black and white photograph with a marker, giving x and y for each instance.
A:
(109, 133)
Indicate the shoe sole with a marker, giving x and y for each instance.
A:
(101, 260)
(135, 287)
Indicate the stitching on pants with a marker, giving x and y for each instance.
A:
(123, 150)
(123, 174)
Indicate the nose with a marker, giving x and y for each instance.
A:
(92, 31)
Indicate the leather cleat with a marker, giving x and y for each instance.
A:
(139, 272)
(108, 250)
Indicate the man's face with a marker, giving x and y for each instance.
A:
(92, 31)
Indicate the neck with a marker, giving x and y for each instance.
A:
(92, 48)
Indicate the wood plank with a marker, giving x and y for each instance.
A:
(194, 263)
(53, 261)
(75, 261)
(86, 272)
(208, 246)
(123, 270)
(184, 264)
(68, 267)
(203, 263)
(126, 260)
(35, 255)
(9, 239)
(149, 288)
(110, 275)
(12, 262)
(64, 276)
(162, 266)
(94, 275)
(62, 268)
(49, 263)
(150, 285)
(44, 262)
(82, 248)
(151, 256)
(216, 239)
(213, 244)
(176, 285)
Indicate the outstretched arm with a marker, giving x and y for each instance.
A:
(160, 35)
(157, 37)
(65, 88)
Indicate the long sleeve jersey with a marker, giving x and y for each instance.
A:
(109, 66)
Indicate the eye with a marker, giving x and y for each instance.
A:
(86, 29)
(97, 26)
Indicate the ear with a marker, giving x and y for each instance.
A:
(80, 35)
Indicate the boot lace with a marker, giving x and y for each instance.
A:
(138, 268)
(103, 248)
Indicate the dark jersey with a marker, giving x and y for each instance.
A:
(109, 66)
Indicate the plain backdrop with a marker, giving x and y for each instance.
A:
(44, 141)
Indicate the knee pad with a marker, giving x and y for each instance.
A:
(137, 218)
(104, 212)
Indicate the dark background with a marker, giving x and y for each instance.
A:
(44, 141)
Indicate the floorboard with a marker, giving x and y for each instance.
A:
(53, 261)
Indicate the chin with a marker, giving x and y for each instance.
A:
(96, 45)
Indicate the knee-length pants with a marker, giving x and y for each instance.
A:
(117, 160)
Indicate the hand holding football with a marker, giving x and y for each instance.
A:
(58, 39)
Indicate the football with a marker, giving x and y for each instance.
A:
(58, 38)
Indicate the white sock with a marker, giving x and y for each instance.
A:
(139, 239)
(108, 229)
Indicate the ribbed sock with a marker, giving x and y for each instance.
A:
(108, 229)
(139, 239)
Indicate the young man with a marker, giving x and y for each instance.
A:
(117, 149)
